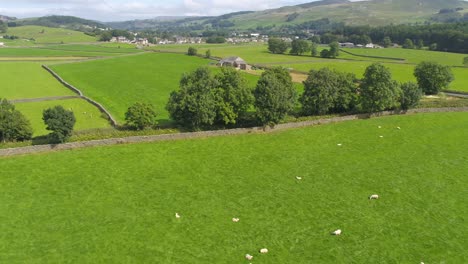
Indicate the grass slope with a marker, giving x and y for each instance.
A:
(114, 204)
(87, 115)
(21, 80)
(50, 35)
(118, 83)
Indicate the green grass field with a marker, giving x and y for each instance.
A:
(23, 80)
(49, 35)
(117, 204)
(118, 83)
(94, 48)
(87, 115)
(44, 52)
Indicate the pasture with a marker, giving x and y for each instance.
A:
(114, 204)
(44, 35)
(87, 115)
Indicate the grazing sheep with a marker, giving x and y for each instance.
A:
(248, 256)
(177, 215)
(398, 128)
(381, 136)
(380, 127)
(374, 196)
(235, 220)
(298, 178)
(336, 232)
(339, 145)
(263, 250)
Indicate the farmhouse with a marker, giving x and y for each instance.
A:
(236, 62)
(347, 45)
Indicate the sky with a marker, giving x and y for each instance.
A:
(119, 10)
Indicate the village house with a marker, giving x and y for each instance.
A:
(236, 62)
(347, 45)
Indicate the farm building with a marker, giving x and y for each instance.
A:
(347, 45)
(236, 62)
(2, 44)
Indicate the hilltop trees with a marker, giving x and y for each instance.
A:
(13, 125)
(433, 77)
(277, 46)
(60, 122)
(275, 96)
(140, 116)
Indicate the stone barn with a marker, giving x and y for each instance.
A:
(236, 62)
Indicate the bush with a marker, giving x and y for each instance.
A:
(208, 54)
(410, 95)
(277, 46)
(141, 116)
(378, 91)
(192, 51)
(13, 125)
(60, 122)
(274, 95)
(408, 44)
(433, 77)
(328, 91)
(325, 53)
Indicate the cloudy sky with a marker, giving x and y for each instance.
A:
(116, 10)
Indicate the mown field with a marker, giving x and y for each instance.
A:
(87, 116)
(114, 204)
(50, 35)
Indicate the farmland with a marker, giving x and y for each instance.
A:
(43, 35)
(114, 203)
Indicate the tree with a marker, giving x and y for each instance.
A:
(433, 77)
(387, 42)
(325, 53)
(208, 54)
(465, 61)
(315, 39)
(314, 49)
(334, 49)
(299, 47)
(410, 95)
(433, 46)
(277, 46)
(60, 122)
(378, 91)
(327, 91)
(141, 116)
(192, 51)
(420, 44)
(13, 125)
(274, 95)
(105, 36)
(408, 44)
(3, 27)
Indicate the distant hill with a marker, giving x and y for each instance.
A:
(372, 12)
(49, 35)
(68, 22)
(6, 18)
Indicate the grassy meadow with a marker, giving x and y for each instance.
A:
(87, 115)
(117, 204)
(43, 35)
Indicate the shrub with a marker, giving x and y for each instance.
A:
(13, 125)
(433, 77)
(208, 54)
(192, 51)
(141, 116)
(60, 122)
(410, 95)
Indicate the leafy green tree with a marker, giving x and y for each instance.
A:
(465, 61)
(208, 54)
(192, 51)
(141, 116)
(408, 44)
(105, 36)
(325, 53)
(433, 77)
(327, 91)
(334, 49)
(60, 122)
(410, 95)
(299, 47)
(277, 46)
(13, 125)
(3, 27)
(314, 49)
(387, 42)
(315, 39)
(275, 96)
(433, 46)
(378, 91)
(420, 44)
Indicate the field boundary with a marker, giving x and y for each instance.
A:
(43, 99)
(78, 91)
(213, 133)
(373, 57)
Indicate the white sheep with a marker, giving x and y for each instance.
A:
(177, 215)
(337, 232)
(381, 136)
(263, 250)
(374, 196)
(235, 220)
(380, 126)
(339, 145)
(398, 128)
(298, 178)
(248, 256)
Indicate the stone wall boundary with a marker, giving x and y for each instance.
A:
(213, 133)
(80, 93)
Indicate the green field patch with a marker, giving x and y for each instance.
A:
(42, 34)
(119, 202)
(93, 48)
(87, 115)
(119, 82)
(44, 52)
(461, 80)
(22, 80)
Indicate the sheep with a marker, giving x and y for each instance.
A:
(263, 250)
(337, 232)
(398, 128)
(248, 256)
(177, 215)
(381, 136)
(298, 178)
(339, 145)
(235, 220)
(380, 126)
(374, 197)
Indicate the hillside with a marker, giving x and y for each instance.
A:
(42, 35)
(373, 12)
